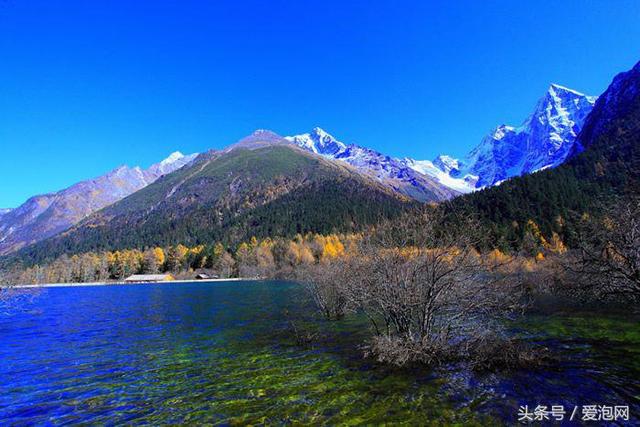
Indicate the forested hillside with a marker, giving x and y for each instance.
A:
(276, 190)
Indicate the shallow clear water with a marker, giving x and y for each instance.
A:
(225, 353)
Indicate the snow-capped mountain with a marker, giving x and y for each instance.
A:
(543, 140)
(318, 141)
(175, 161)
(45, 215)
(390, 171)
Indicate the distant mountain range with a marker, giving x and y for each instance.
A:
(543, 140)
(262, 186)
(46, 215)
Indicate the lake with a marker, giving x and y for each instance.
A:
(225, 353)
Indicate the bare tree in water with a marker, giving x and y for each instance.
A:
(424, 287)
(327, 282)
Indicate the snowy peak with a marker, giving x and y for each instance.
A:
(558, 90)
(175, 161)
(391, 172)
(543, 140)
(561, 108)
(447, 163)
(502, 131)
(173, 157)
(318, 141)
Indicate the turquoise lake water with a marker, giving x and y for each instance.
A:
(225, 353)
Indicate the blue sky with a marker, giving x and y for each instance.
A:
(88, 85)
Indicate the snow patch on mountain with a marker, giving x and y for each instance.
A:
(388, 170)
(318, 141)
(175, 161)
(444, 172)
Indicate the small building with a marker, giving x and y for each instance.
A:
(149, 278)
(205, 276)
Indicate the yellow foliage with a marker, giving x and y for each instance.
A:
(306, 256)
(496, 257)
(264, 257)
(243, 250)
(181, 251)
(333, 247)
(408, 251)
(196, 249)
(533, 228)
(557, 245)
(299, 253)
(158, 254)
(218, 249)
(528, 265)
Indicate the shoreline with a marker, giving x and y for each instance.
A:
(164, 282)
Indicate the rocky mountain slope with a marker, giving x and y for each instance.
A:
(387, 170)
(46, 215)
(545, 139)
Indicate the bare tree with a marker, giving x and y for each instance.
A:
(423, 286)
(608, 261)
(428, 285)
(327, 282)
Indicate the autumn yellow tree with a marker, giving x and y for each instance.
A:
(264, 259)
(158, 253)
(333, 247)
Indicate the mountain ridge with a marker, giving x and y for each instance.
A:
(544, 139)
(387, 170)
(233, 195)
(45, 215)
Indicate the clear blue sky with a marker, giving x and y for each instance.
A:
(88, 85)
